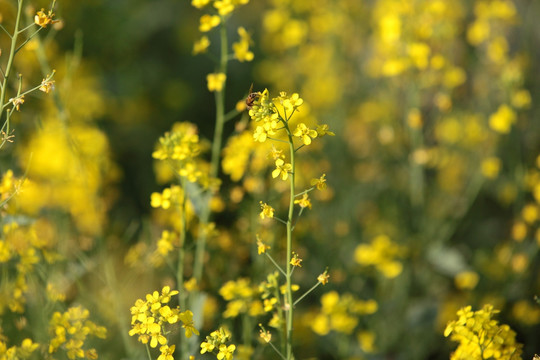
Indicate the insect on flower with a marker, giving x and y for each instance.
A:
(251, 97)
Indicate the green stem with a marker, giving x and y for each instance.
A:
(184, 344)
(275, 263)
(306, 293)
(216, 150)
(148, 352)
(11, 57)
(289, 269)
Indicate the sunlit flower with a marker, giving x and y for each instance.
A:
(266, 335)
(46, 86)
(241, 48)
(201, 45)
(323, 130)
(293, 102)
(305, 133)
(296, 261)
(304, 202)
(43, 19)
(208, 22)
(319, 183)
(261, 247)
(166, 352)
(282, 169)
(226, 352)
(323, 278)
(199, 4)
(501, 121)
(17, 102)
(216, 81)
(266, 211)
(481, 337)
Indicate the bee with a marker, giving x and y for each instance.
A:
(251, 97)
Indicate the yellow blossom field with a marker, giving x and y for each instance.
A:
(271, 179)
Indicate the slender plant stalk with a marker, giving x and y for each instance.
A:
(290, 305)
(184, 344)
(216, 151)
(12, 51)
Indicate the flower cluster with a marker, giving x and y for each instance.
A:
(481, 337)
(241, 48)
(43, 18)
(242, 297)
(24, 351)
(216, 343)
(70, 331)
(22, 248)
(341, 313)
(219, 11)
(149, 319)
(181, 147)
(381, 253)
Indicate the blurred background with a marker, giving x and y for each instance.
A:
(433, 175)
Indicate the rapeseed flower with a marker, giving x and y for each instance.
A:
(17, 102)
(296, 260)
(282, 169)
(215, 81)
(319, 183)
(241, 48)
(481, 337)
(43, 19)
(304, 202)
(208, 22)
(266, 211)
(305, 133)
(149, 317)
(201, 45)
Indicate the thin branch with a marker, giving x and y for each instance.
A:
(306, 293)
(275, 264)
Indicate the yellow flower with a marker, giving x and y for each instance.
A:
(166, 352)
(305, 133)
(201, 46)
(323, 278)
(206, 347)
(261, 247)
(466, 280)
(17, 102)
(282, 169)
(530, 213)
(490, 167)
(226, 352)
(276, 153)
(241, 48)
(208, 22)
(46, 86)
(304, 202)
(502, 120)
(293, 102)
(260, 134)
(319, 183)
(296, 261)
(43, 19)
(519, 231)
(187, 319)
(267, 211)
(199, 4)
(224, 7)
(266, 335)
(215, 81)
(323, 129)
(481, 337)
(521, 99)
